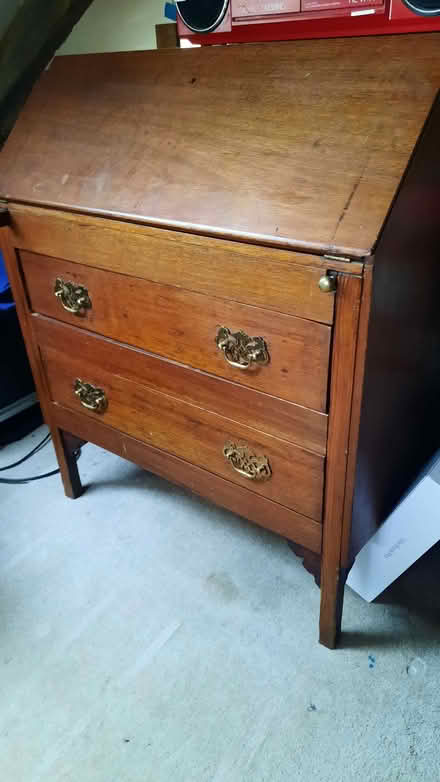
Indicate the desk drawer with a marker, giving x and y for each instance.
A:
(273, 468)
(280, 280)
(238, 499)
(277, 417)
(183, 326)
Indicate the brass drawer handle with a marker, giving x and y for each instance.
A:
(90, 396)
(240, 350)
(74, 298)
(250, 465)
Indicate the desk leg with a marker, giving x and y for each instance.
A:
(347, 304)
(66, 446)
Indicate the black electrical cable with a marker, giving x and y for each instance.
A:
(35, 450)
(45, 440)
(27, 480)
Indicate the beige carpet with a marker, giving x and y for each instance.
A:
(147, 636)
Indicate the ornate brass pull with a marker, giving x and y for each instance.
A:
(240, 350)
(90, 396)
(74, 298)
(250, 465)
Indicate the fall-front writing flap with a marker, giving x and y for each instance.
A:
(300, 144)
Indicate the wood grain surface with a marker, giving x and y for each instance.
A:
(182, 326)
(276, 417)
(281, 280)
(222, 492)
(300, 144)
(66, 463)
(166, 36)
(356, 406)
(189, 432)
(341, 394)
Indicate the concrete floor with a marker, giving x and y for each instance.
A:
(148, 636)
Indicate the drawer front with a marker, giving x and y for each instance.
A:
(268, 414)
(183, 325)
(279, 280)
(271, 515)
(266, 465)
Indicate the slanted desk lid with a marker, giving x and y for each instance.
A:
(300, 144)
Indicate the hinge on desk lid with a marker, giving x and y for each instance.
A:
(340, 258)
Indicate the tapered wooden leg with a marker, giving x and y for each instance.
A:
(65, 447)
(332, 600)
(64, 443)
(332, 594)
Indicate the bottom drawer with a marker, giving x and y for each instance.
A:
(268, 466)
(268, 514)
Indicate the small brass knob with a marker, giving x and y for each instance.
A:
(327, 283)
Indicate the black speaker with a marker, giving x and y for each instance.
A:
(423, 7)
(202, 16)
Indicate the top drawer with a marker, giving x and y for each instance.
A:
(291, 354)
(280, 280)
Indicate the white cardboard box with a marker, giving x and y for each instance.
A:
(411, 529)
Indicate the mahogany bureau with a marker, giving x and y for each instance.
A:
(225, 263)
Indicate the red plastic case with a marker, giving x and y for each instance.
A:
(248, 21)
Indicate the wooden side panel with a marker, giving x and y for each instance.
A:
(182, 326)
(262, 511)
(274, 416)
(166, 36)
(187, 431)
(67, 464)
(400, 424)
(341, 393)
(275, 279)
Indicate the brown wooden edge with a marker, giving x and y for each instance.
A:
(356, 406)
(63, 449)
(26, 219)
(166, 36)
(218, 490)
(341, 393)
